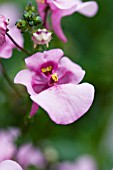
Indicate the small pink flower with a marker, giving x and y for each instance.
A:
(9, 165)
(82, 163)
(10, 11)
(7, 146)
(53, 83)
(3, 28)
(28, 155)
(61, 8)
(42, 36)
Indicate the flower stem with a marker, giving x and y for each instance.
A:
(22, 49)
(2, 69)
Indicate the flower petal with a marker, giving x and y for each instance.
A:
(42, 12)
(34, 109)
(36, 60)
(9, 165)
(25, 77)
(6, 49)
(69, 72)
(88, 9)
(64, 4)
(17, 36)
(10, 11)
(66, 103)
(56, 17)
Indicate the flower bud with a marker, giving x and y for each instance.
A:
(21, 24)
(3, 29)
(37, 20)
(42, 36)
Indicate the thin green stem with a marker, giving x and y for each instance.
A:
(18, 46)
(8, 79)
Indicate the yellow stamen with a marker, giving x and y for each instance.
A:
(47, 69)
(54, 77)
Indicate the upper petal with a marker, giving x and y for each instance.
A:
(88, 9)
(9, 165)
(66, 103)
(64, 4)
(69, 72)
(36, 60)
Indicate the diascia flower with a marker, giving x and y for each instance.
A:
(9, 165)
(53, 83)
(10, 12)
(61, 8)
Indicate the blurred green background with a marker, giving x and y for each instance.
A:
(90, 44)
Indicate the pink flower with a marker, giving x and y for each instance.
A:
(82, 163)
(42, 36)
(9, 165)
(29, 155)
(10, 12)
(3, 28)
(7, 146)
(61, 8)
(53, 83)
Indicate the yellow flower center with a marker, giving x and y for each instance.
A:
(47, 69)
(54, 77)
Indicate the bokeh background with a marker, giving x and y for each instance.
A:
(90, 44)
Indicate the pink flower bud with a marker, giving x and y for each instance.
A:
(42, 36)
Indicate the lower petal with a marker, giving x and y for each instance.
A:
(88, 9)
(9, 165)
(66, 103)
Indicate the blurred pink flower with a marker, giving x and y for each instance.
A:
(82, 163)
(3, 28)
(61, 8)
(10, 11)
(53, 84)
(29, 155)
(7, 146)
(9, 165)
